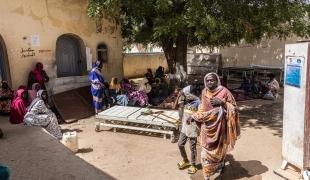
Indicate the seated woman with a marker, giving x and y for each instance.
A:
(19, 106)
(135, 97)
(39, 115)
(116, 91)
(160, 91)
(38, 75)
(32, 94)
(170, 101)
(149, 76)
(271, 88)
(114, 85)
(160, 72)
(6, 95)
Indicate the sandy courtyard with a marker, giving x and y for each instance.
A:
(32, 154)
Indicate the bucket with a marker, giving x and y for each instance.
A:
(70, 140)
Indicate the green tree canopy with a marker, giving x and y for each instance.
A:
(175, 24)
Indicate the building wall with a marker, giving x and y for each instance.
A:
(267, 53)
(50, 19)
(135, 64)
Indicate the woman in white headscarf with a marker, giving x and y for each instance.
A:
(39, 115)
(220, 127)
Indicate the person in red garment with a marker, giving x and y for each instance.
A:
(38, 75)
(19, 107)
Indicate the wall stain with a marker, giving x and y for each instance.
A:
(19, 10)
(37, 18)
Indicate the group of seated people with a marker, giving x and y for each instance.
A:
(30, 105)
(253, 88)
(152, 90)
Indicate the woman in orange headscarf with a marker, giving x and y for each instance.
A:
(220, 127)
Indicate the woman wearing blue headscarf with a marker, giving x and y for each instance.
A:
(97, 85)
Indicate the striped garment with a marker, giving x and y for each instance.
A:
(97, 86)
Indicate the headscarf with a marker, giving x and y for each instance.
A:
(6, 91)
(187, 89)
(32, 94)
(114, 85)
(219, 86)
(39, 97)
(37, 72)
(22, 87)
(96, 64)
(96, 77)
(145, 86)
(18, 107)
(4, 82)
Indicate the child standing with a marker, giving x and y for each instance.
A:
(189, 131)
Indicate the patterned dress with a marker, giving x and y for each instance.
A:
(137, 97)
(6, 96)
(97, 88)
(40, 115)
(220, 128)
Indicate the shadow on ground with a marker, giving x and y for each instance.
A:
(242, 169)
(251, 169)
(262, 113)
(30, 153)
(85, 150)
(71, 130)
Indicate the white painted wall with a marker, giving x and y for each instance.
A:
(269, 52)
(294, 110)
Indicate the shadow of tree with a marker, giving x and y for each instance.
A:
(258, 114)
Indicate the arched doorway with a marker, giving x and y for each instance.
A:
(4, 63)
(69, 56)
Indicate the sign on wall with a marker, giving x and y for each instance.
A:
(35, 40)
(294, 67)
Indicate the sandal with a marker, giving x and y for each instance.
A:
(192, 169)
(183, 164)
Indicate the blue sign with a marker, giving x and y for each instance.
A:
(294, 68)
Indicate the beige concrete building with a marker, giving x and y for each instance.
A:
(59, 34)
(269, 52)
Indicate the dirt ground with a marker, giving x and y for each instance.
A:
(127, 155)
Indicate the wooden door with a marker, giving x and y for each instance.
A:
(68, 57)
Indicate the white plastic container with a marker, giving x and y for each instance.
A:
(70, 140)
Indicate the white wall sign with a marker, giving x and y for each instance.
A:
(35, 40)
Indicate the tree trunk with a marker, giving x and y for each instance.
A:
(169, 51)
(181, 50)
(177, 53)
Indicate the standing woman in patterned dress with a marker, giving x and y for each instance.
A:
(97, 86)
(220, 127)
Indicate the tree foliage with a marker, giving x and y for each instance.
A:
(175, 24)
